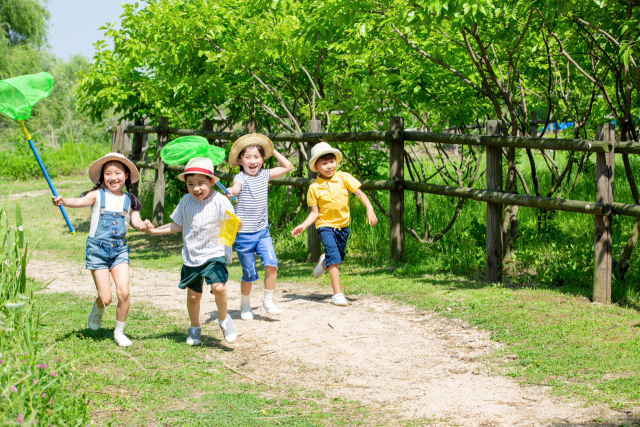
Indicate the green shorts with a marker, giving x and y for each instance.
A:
(212, 271)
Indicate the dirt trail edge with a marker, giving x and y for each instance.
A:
(416, 364)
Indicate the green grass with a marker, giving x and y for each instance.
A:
(541, 311)
(162, 381)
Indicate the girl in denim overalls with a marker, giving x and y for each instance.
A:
(107, 249)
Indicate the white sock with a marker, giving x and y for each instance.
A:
(119, 327)
(245, 303)
(220, 322)
(268, 304)
(195, 329)
(119, 335)
(268, 297)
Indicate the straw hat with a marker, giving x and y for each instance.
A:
(321, 149)
(247, 141)
(199, 165)
(95, 170)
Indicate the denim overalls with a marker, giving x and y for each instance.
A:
(108, 247)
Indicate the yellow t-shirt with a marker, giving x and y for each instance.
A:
(332, 199)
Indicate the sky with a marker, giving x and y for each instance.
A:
(74, 24)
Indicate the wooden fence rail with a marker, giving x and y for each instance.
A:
(603, 207)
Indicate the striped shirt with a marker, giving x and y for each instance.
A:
(201, 221)
(252, 207)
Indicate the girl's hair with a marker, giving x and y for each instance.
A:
(135, 203)
(260, 150)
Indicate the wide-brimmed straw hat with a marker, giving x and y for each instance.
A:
(95, 170)
(320, 150)
(199, 165)
(247, 141)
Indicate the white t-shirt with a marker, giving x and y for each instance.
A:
(201, 221)
(112, 203)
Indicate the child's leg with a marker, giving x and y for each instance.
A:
(103, 286)
(224, 320)
(334, 276)
(220, 292)
(193, 307)
(245, 247)
(120, 273)
(268, 258)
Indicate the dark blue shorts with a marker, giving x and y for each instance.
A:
(335, 243)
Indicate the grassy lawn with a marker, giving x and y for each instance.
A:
(560, 339)
(162, 381)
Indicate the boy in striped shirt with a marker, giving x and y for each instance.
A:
(199, 217)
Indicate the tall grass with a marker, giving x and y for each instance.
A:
(34, 384)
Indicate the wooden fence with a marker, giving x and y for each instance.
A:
(603, 207)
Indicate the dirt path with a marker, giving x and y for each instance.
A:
(376, 352)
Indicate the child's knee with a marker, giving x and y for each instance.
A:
(106, 300)
(193, 296)
(123, 294)
(271, 269)
(218, 289)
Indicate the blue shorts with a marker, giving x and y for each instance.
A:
(335, 243)
(104, 254)
(249, 244)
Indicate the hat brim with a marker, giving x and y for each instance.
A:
(182, 177)
(314, 159)
(247, 141)
(95, 170)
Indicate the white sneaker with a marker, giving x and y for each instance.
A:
(122, 339)
(228, 329)
(95, 317)
(319, 270)
(339, 299)
(246, 313)
(270, 307)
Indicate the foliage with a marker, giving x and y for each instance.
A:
(34, 384)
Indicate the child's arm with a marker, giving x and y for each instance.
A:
(284, 168)
(239, 224)
(234, 190)
(70, 202)
(311, 218)
(170, 228)
(371, 215)
(138, 223)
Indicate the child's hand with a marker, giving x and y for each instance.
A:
(229, 195)
(297, 231)
(372, 219)
(146, 226)
(57, 201)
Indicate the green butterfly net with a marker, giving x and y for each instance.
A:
(185, 148)
(18, 95)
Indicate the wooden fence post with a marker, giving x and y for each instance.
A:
(251, 126)
(114, 135)
(136, 153)
(494, 210)
(158, 192)
(396, 205)
(602, 269)
(314, 249)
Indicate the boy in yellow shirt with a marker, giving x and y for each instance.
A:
(328, 198)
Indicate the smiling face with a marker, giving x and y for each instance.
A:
(199, 186)
(326, 166)
(114, 176)
(251, 160)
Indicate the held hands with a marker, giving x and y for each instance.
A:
(146, 226)
(298, 230)
(57, 201)
(371, 217)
